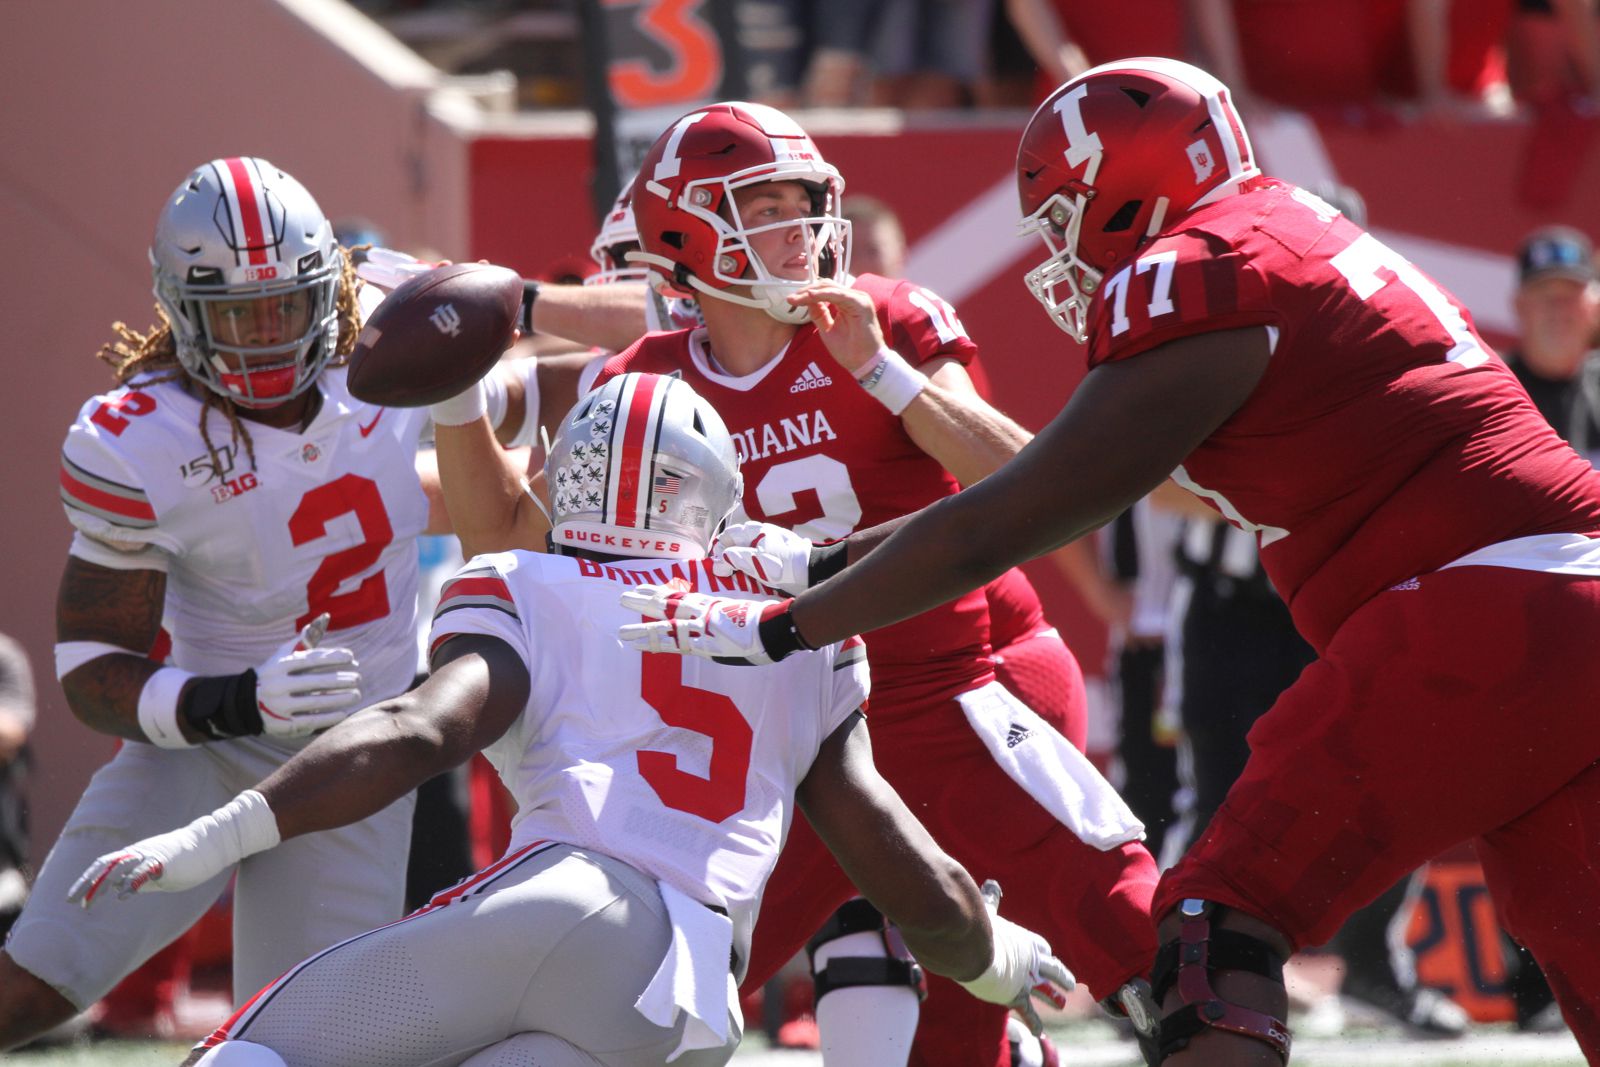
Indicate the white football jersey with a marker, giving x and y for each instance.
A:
(326, 520)
(682, 767)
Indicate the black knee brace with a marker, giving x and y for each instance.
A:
(895, 968)
(1188, 963)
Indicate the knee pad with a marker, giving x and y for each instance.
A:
(240, 1054)
(1189, 961)
(881, 959)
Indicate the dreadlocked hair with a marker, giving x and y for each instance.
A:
(152, 357)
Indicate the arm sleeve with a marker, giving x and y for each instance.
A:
(1185, 284)
(104, 493)
(921, 325)
(478, 600)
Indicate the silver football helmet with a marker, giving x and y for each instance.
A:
(247, 271)
(642, 466)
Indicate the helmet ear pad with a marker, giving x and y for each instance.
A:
(644, 467)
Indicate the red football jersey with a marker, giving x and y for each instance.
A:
(1385, 438)
(822, 457)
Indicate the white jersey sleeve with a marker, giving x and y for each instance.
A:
(102, 487)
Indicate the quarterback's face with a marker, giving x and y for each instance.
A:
(773, 211)
(260, 322)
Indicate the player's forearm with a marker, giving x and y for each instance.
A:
(482, 488)
(951, 547)
(602, 316)
(104, 694)
(112, 609)
(358, 768)
(969, 438)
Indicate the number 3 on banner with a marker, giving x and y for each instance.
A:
(694, 57)
(721, 793)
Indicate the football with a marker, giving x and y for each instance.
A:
(435, 335)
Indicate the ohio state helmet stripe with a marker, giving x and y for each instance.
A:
(246, 204)
(634, 457)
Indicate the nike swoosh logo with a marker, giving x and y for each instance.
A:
(367, 429)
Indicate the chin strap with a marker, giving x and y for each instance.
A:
(1189, 963)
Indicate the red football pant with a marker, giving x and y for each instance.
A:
(1459, 709)
(1093, 906)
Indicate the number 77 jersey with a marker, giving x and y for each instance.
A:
(1385, 438)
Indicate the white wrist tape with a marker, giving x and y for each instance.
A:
(158, 708)
(247, 824)
(464, 408)
(528, 433)
(892, 381)
(70, 655)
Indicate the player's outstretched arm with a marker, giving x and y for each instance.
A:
(368, 761)
(948, 924)
(1125, 429)
(611, 317)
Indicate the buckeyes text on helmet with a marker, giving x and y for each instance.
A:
(641, 466)
(247, 272)
(1114, 156)
(689, 227)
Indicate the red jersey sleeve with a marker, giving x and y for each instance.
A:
(918, 323)
(1184, 283)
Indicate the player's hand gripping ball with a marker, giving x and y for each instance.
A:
(435, 335)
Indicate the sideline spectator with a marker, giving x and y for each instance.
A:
(17, 715)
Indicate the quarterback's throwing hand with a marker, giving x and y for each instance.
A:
(700, 625)
(1023, 968)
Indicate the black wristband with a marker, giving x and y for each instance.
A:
(826, 561)
(530, 293)
(779, 634)
(222, 706)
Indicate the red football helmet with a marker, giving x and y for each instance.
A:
(1112, 157)
(689, 229)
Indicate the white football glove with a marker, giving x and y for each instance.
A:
(301, 688)
(697, 624)
(1023, 968)
(183, 858)
(388, 269)
(770, 554)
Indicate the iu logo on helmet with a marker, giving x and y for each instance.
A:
(1200, 159)
(446, 319)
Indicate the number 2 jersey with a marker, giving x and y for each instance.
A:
(1385, 440)
(325, 520)
(684, 768)
(820, 456)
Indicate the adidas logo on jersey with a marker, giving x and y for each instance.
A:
(1017, 734)
(810, 378)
